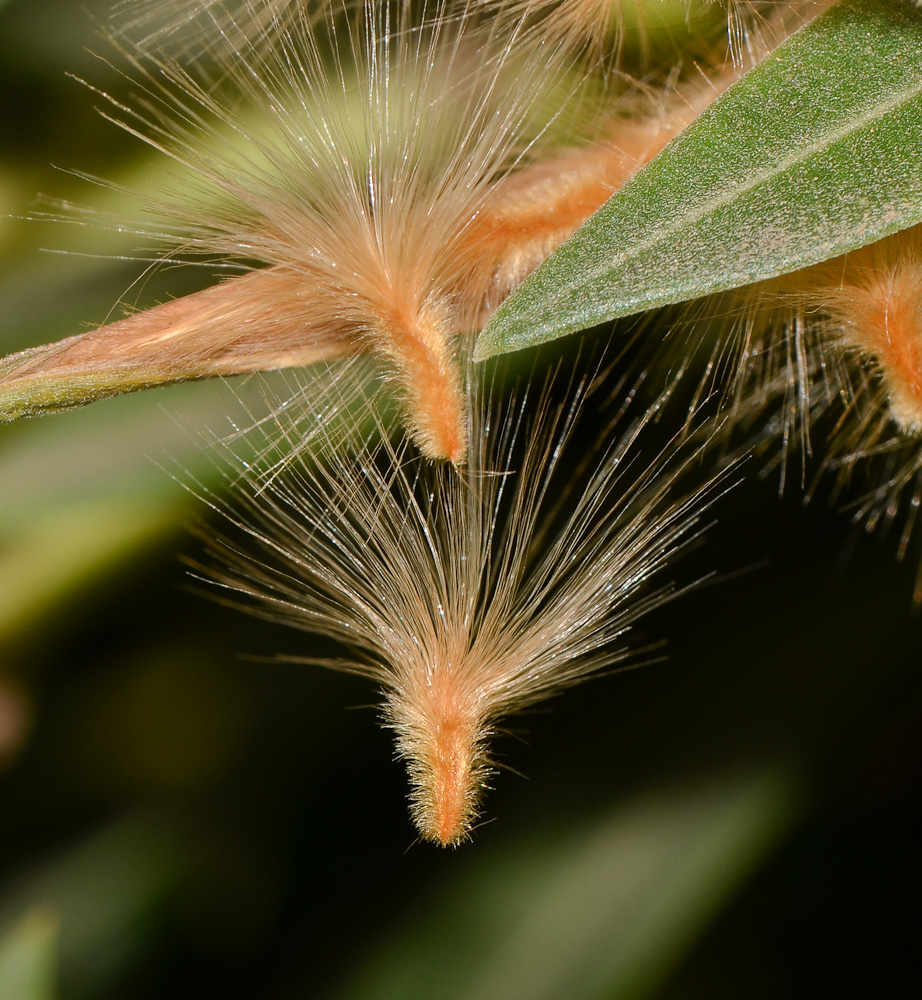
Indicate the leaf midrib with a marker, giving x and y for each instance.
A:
(872, 115)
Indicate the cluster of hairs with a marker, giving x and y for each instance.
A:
(826, 364)
(377, 177)
(466, 592)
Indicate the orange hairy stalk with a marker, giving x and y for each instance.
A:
(532, 211)
(872, 299)
(846, 332)
(828, 360)
(467, 593)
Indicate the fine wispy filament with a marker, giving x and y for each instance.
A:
(193, 27)
(467, 593)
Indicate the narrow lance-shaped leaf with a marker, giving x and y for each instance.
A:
(238, 326)
(815, 152)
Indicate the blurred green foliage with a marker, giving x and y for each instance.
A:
(27, 958)
(180, 821)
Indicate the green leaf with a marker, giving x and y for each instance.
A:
(813, 153)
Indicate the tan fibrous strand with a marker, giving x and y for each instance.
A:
(467, 593)
(598, 29)
(602, 31)
(596, 25)
(190, 27)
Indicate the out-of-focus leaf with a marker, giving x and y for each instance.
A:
(28, 958)
(64, 549)
(607, 912)
(81, 495)
(105, 893)
(813, 153)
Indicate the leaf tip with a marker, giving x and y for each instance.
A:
(499, 334)
(485, 347)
